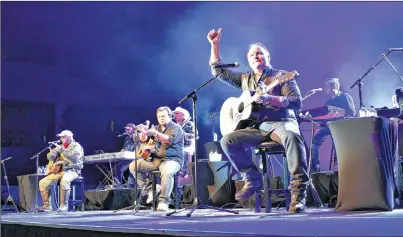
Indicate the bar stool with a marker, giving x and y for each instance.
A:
(73, 201)
(154, 176)
(266, 149)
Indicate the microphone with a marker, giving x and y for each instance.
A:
(57, 142)
(146, 123)
(236, 64)
(6, 159)
(123, 134)
(395, 49)
(315, 90)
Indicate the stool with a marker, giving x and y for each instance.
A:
(272, 148)
(333, 158)
(73, 201)
(154, 175)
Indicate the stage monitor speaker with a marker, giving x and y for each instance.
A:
(215, 186)
(367, 159)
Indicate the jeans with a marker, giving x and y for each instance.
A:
(318, 139)
(238, 147)
(168, 170)
(120, 169)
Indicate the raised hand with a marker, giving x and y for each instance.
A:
(214, 36)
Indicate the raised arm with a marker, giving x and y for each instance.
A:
(225, 75)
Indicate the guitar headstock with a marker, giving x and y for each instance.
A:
(288, 76)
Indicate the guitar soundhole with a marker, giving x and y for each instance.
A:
(240, 107)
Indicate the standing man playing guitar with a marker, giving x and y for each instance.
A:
(277, 121)
(65, 164)
(182, 117)
(166, 155)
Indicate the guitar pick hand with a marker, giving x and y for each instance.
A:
(277, 101)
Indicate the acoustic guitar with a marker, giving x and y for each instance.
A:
(236, 110)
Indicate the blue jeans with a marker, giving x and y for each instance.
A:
(238, 147)
(318, 140)
(120, 169)
(168, 170)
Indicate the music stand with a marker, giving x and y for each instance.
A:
(9, 198)
(197, 203)
(136, 206)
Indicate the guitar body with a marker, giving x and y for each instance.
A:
(146, 150)
(233, 112)
(54, 169)
(236, 112)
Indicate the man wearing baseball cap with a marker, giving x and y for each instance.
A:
(182, 117)
(69, 155)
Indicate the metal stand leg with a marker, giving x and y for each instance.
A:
(9, 198)
(310, 186)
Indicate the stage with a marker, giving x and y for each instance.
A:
(204, 222)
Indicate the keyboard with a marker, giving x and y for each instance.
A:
(106, 157)
(323, 113)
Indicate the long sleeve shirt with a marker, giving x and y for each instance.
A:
(72, 155)
(247, 81)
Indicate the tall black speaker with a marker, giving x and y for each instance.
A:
(215, 186)
(367, 159)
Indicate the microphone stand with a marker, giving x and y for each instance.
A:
(197, 203)
(9, 198)
(35, 209)
(359, 83)
(308, 94)
(136, 206)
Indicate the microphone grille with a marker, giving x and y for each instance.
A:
(236, 64)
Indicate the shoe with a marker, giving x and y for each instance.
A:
(150, 194)
(297, 204)
(253, 182)
(162, 206)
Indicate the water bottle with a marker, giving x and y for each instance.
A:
(363, 111)
(372, 111)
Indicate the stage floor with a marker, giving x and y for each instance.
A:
(206, 222)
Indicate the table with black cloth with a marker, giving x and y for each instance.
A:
(26, 190)
(367, 159)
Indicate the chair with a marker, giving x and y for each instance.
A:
(73, 201)
(265, 149)
(154, 176)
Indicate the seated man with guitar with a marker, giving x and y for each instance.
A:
(338, 99)
(273, 118)
(162, 150)
(182, 117)
(65, 164)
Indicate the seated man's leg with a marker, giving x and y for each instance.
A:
(237, 146)
(44, 185)
(120, 170)
(318, 140)
(144, 167)
(288, 134)
(65, 187)
(168, 170)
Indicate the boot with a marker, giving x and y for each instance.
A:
(297, 204)
(64, 198)
(253, 182)
(46, 204)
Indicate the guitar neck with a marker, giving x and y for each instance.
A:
(268, 88)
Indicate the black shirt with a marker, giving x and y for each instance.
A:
(344, 101)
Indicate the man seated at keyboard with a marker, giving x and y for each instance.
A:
(165, 144)
(129, 145)
(338, 99)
